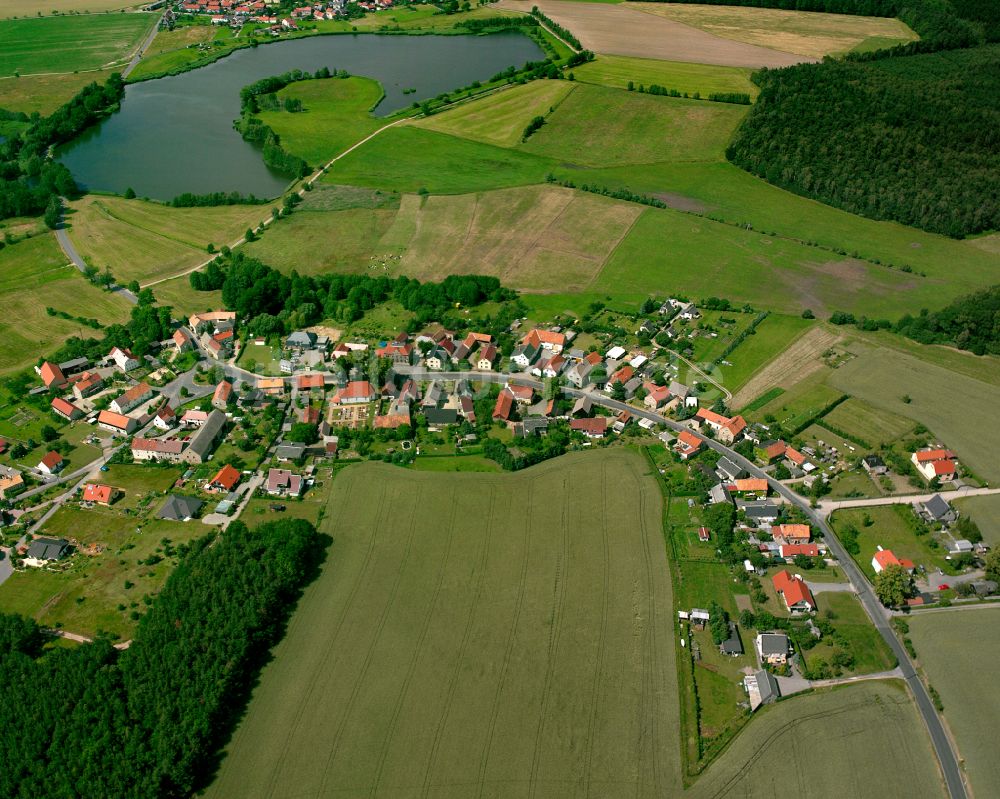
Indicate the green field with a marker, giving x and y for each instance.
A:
(852, 741)
(335, 115)
(69, 43)
(890, 529)
(534, 649)
(874, 425)
(34, 274)
(953, 649)
(985, 512)
(770, 337)
(854, 634)
(616, 71)
(883, 377)
(799, 403)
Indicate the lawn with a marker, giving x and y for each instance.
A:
(770, 337)
(954, 650)
(985, 512)
(537, 238)
(178, 294)
(70, 43)
(616, 72)
(34, 275)
(805, 33)
(798, 404)
(891, 530)
(263, 357)
(137, 480)
(595, 126)
(874, 425)
(335, 115)
(701, 583)
(148, 241)
(455, 463)
(534, 648)
(319, 242)
(886, 378)
(500, 118)
(180, 37)
(854, 633)
(871, 734)
(407, 158)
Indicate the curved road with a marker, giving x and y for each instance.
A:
(878, 614)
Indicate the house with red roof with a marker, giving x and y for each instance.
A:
(165, 418)
(485, 358)
(885, 558)
(51, 463)
(790, 551)
(936, 463)
(88, 384)
(222, 394)
(727, 430)
(52, 375)
(117, 423)
(792, 533)
(397, 352)
(656, 396)
(503, 407)
(522, 394)
(157, 449)
(355, 392)
(99, 494)
(798, 598)
(182, 340)
(594, 427)
(226, 479)
(310, 382)
(124, 359)
(545, 339)
(750, 485)
(66, 409)
(687, 444)
(132, 398)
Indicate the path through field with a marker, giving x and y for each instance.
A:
(484, 635)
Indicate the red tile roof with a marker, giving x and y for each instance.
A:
(790, 532)
(59, 405)
(227, 477)
(223, 392)
(118, 420)
(596, 426)
(52, 375)
(791, 550)
(689, 439)
(306, 382)
(167, 446)
(355, 390)
(505, 401)
(752, 484)
(934, 455)
(885, 557)
(775, 450)
(52, 459)
(92, 492)
(793, 589)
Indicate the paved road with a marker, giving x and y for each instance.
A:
(879, 615)
(141, 50)
(827, 507)
(830, 588)
(67, 247)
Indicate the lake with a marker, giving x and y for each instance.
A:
(175, 134)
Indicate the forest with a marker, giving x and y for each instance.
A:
(969, 323)
(149, 721)
(29, 179)
(911, 139)
(270, 302)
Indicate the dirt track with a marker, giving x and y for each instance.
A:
(619, 30)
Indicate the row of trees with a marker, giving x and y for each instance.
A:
(148, 722)
(969, 323)
(910, 139)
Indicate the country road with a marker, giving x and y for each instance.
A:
(827, 507)
(946, 755)
(71, 252)
(141, 50)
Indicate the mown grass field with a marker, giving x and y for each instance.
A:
(335, 115)
(985, 512)
(861, 740)
(770, 337)
(799, 403)
(874, 425)
(531, 649)
(883, 377)
(148, 241)
(954, 649)
(890, 529)
(31, 8)
(69, 43)
(804, 33)
(34, 274)
(616, 71)
(178, 294)
(180, 37)
(855, 634)
(45, 93)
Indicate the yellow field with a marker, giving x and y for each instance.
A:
(147, 241)
(501, 118)
(560, 241)
(805, 33)
(32, 8)
(45, 93)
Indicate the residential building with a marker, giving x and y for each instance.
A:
(594, 427)
(283, 483)
(132, 398)
(66, 409)
(792, 533)
(545, 339)
(356, 392)
(791, 551)
(213, 320)
(157, 449)
(116, 422)
(182, 340)
(732, 646)
(728, 469)
(124, 359)
(226, 479)
(937, 509)
(301, 340)
(772, 648)
(485, 358)
(687, 444)
(52, 376)
(503, 407)
(179, 508)
(935, 463)
(51, 463)
(290, 452)
(203, 442)
(11, 484)
(522, 394)
(525, 355)
(884, 558)
(220, 397)
(873, 464)
(165, 417)
(751, 486)
(656, 396)
(271, 386)
(194, 418)
(726, 429)
(45, 549)
(798, 598)
(88, 384)
(762, 688)
(99, 494)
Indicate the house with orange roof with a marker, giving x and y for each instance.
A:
(182, 340)
(226, 479)
(66, 409)
(132, 398)
(935, 463)
(310, 382)
(51, 463)
(99, 494)
(271, 386)
(792, 533)
(545, 339)
(397, 352)
(751, 485)
(88, 384)
(522, 394)
(117, 423)
(485, 358)
(656, 396)
(503, 407)
(884, 558)
(798, 598)
(687, 444)
(11, 485)
(356, 392)
(222, 394)
(727, 430)
(790, 551)
(52, 375)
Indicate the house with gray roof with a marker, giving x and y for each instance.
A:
(203, 442)
(732, 646)
(761, 687)
(729, 470)
(179, 508)
(937, 509)
(43, 550)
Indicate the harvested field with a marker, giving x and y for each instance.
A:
(32, 8)
(800, 360)
(953, 649)
(622, 30)
(45, 93)
(529, 654)
(539, 238)
(804, 33)
(873, 743)
(883, 377)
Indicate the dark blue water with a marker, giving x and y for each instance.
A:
(175, 134)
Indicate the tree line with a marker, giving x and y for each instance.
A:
(910, 139)
(559, 30)
(30, 181)
(969, 323)
(149, 721)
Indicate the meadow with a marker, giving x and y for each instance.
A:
(874, 425)
(69, 43)
(617, 71)
(431, 656)
(148, 241)
(985, 512)
(855, 632)
(903, 385)
(805, 33)
(891, 529)
(45, 93)
(770, 338)
(35, 275)
(953, 650)
(32, 8)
